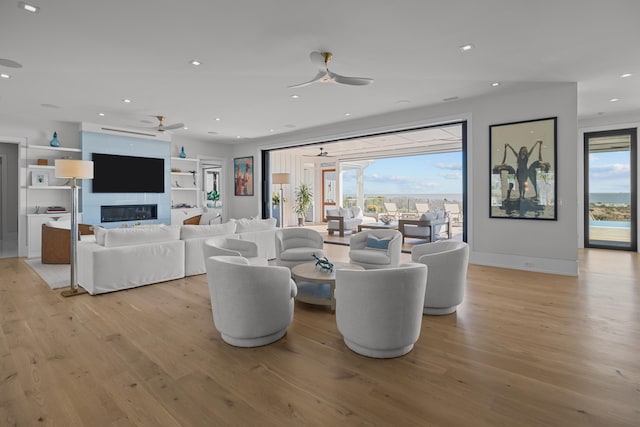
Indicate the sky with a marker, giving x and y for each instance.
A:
(425, 174)
(609, 172)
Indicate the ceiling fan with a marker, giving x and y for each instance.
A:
(321, 60)
(322, 153)
(162, 127)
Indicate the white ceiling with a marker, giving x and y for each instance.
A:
(86, 56)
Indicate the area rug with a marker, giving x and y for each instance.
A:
(55, 275)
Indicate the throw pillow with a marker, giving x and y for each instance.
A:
(197, 231)
(428, 216)
(377, 244)
(356, 212)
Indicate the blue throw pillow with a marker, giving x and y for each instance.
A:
(377, 244)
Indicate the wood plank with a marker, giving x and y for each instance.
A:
(524, 349)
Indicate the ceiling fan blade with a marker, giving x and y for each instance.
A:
(173, 126)
(318, 60)
(318, 77)
(354, 81)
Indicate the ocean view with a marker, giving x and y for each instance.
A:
(610, 198)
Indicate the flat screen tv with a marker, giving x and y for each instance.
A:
(127, 174)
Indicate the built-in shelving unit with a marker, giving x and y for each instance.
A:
(44, 190)
(185, 183)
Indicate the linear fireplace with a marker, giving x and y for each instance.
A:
(118, 213)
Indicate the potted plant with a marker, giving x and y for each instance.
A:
(304, 200)
(214, 196)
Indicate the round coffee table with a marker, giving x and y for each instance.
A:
(316, 286)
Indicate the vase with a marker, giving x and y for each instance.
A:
(54, 141)
(182, 153)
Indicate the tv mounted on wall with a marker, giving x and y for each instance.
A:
(127, 174)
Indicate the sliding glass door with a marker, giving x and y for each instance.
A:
(610, 189)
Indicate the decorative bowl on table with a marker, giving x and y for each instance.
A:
(386, 220)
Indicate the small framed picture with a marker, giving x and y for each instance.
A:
(39, 179)
(243, 176)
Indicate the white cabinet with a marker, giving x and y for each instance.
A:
(185, 183)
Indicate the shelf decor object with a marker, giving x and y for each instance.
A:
(182, 154)
(74, 170)
(281, 178)
(54, 141)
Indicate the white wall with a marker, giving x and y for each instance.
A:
(40, 133)
(546, 246)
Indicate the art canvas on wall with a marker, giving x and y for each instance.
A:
(243, 176)
(523, 169)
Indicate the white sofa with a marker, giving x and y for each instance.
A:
(262, 232)
(123, 258)
(346, 219)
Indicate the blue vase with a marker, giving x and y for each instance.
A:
(54, 141)
(182, 154)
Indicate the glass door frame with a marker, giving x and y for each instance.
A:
(633, 153)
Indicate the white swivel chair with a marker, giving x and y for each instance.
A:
(252, 305)
(230, 246)
(298, 245)
(379, 312)
(447, 262)
(375, 248)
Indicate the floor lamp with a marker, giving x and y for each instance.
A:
(74, 170)
(281, 178)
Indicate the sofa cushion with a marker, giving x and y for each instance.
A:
(208, 218)
(333, 212)
(356, 212)
(254, 224)
(377, 244)
(428, 216)
(99, 232)
(116, 237)
(195, 231)
(346, 213)
(64, 223)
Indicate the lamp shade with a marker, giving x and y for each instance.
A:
(66, 168)
(280, 178)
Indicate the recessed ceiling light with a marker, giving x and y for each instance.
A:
(238, 137)
(5, 76)
(614, 100)
(347, 114)
(126, 101)
(28, 7)
(101, 114)
(217, 119)
(495, 84)
(185, 128)
(466, 47)
(295, 96)
(271, 130)
(195, 62)
(625, 75)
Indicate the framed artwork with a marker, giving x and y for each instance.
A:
(243, 176)
(39, 179)
(523, 169)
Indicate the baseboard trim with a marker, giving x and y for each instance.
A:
(518, 262)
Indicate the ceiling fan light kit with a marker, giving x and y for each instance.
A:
(321, 60)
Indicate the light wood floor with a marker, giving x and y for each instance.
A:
(524, 349)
